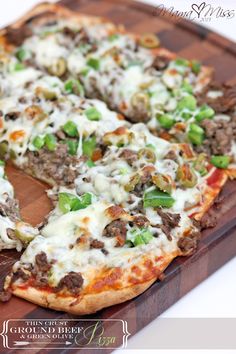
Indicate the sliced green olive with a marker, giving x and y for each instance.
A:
(162, 182)
(186, 176)
(149, 40)
(35, 113)
(147, 154)
(25, 232)
(12, 154)
(140, 101)
(200, 164)
(3, 149)
(129, 187)
(49, 95)
(58, 68)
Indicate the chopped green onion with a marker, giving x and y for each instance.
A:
(38, 142)
(90, 163)
(196, 66)
(157, 198)
(84, 48)
(151, 146)
(69, 202)
(70, 128)
(124, 171)
(139, 240)
(186, 115)
(69, 86)
(134, 63)
(186, 87)
(84, 71)
(89, 146)
(205, 112)
(181, 62)
(72, 146)
(74, 86)
(221, 161)
(188, 102)
(64, 201)
(196, 134)
(139, 236)
(113, 37)
(94, 63)
(19, 67)
(21, 54)
(166, 121)
(50, 142)
(82, 202)
(93, 114)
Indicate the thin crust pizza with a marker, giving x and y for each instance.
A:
(118, 127)
(177, 98)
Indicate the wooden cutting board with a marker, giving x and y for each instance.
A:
(217, 246)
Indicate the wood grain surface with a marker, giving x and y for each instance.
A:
(217, 246)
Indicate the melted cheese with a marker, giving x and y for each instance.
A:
(91, 220)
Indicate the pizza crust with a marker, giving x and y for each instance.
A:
(90, 302)
(210, 194)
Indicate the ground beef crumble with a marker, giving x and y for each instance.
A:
(129, 155)
(219, 136)
(72, 282)
(11, 209)
(57, 165)
(169, 222)
(219, 132)
(189, 244)
(117, 229)
(96, 244)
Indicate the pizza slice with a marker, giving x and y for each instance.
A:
(89, 259)
(48, 128)
(14, 233)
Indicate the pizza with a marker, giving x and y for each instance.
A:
(118, 128)
(177, 98)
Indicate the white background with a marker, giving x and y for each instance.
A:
(216, 296)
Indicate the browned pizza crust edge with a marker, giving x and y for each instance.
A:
(89, 303)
